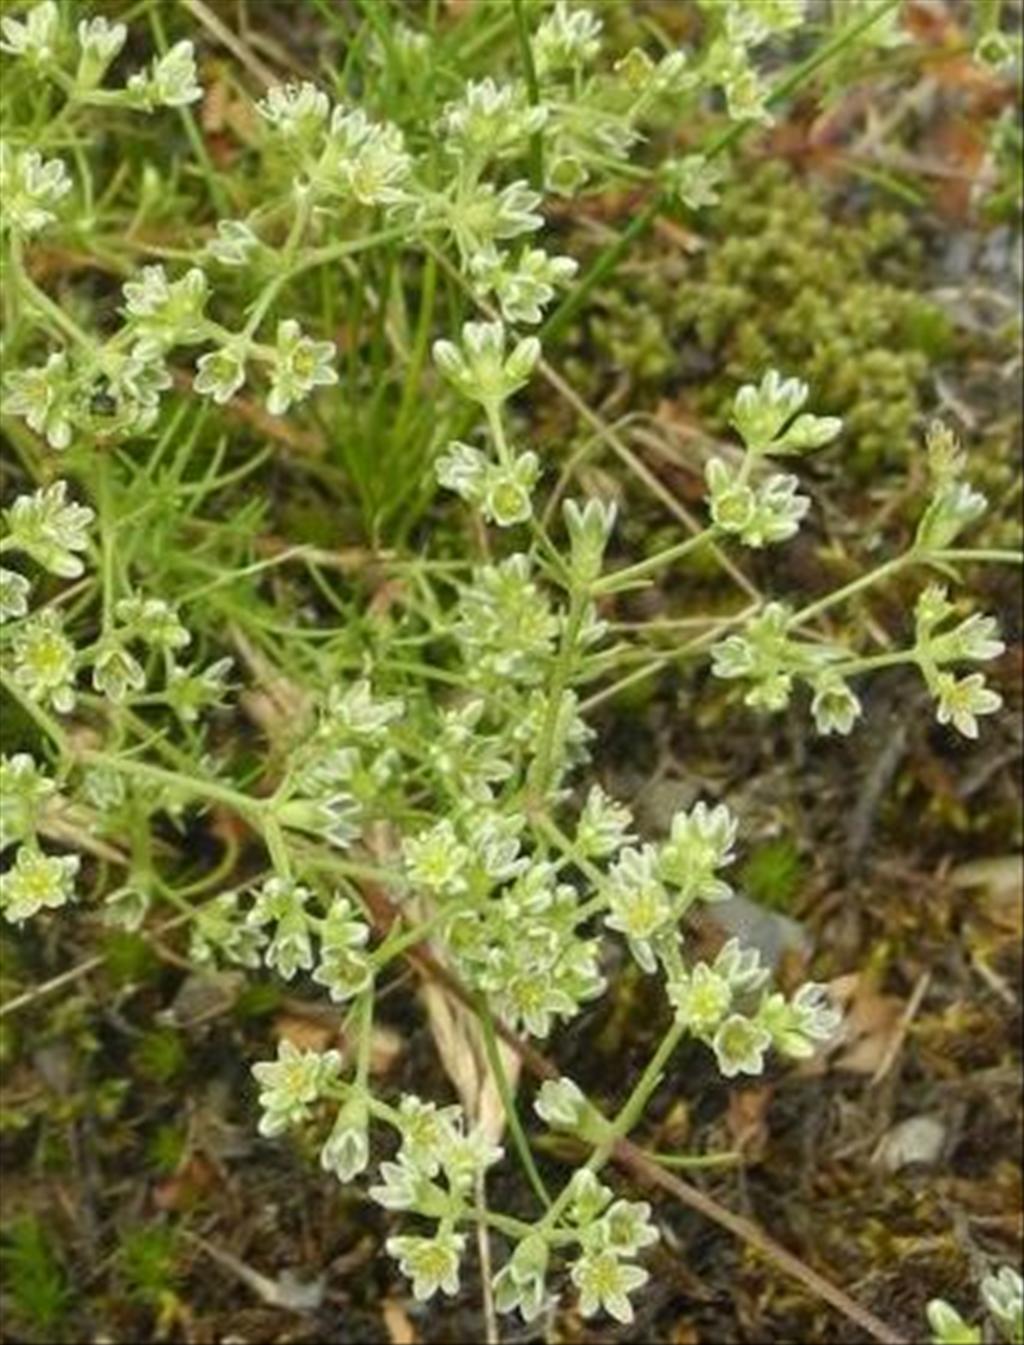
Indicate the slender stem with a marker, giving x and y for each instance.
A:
(642, 568)
(541, 770)
(108, 525)
(727, 1158)
(522, 1144)
(61, 320)
(665, 660)
(418, 357)
(364, 1049)
(872, 661)
(533, 93)
(805, 614)
(626, 1118)
(303, 211)
(201, 789)
(397, 943)
(633, 1108)
(996, 557)
(42, 718)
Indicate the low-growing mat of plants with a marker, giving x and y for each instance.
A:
(510, 578)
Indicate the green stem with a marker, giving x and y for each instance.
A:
(419, 350)
(626, 1118)
(618, 578)
(727, 1158)
(805, 614)
(533, 93)
(522, 1144)
(860, 665)
(61, 320)
(365, 1037)
(303, 211)
(108, 527)
(40, 717)
(201, 789)
(541, 770)
(633, 1108)
(995, 557)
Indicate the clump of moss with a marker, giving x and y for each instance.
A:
(782, 283)
(786, 285)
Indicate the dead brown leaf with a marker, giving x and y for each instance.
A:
(746, 1119)
(871, 1025)
(399, 1326)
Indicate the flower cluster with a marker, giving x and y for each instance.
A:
(405, 762)
(771, 424)
(1002, 1296)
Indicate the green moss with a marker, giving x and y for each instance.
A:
(34, 1280)
(147, 1263)
(773, 874)
(781, 282)
(128, 958)
(160, 1055)
(166, 1147)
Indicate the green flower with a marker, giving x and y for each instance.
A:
(36, 882)
(431, 1263)
(291, 1084)
(99, 41)
(14, 591)
(296, 112)
(568, 39)
(437, 860)
(835, 708)
(42, 397)
(561, 1103)
(428, 1132)
(23, 791)
(167, 312)
(170, 81)
(299, 365)
(948, 1327)
(605, 1283)
(700, 842)
(766, 417)
(955, 505)
(797, 1026)
(603, 826)
(234, 245)
(960, 700)
(480, 368)
(364, 160)
(507, 490)
(523, 288)
(702, 999)
(521, 1283)
(692, 180)
(281, 903)
(35, 38)
(346, 1152)
(220, 929)
(153, 621)
(44, 662)
(116, 672)
(739, 1045)
(50, 530)
(638, 903)
(222, 372)
(626, 1227)
(1003, 1296)
(344, 966)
